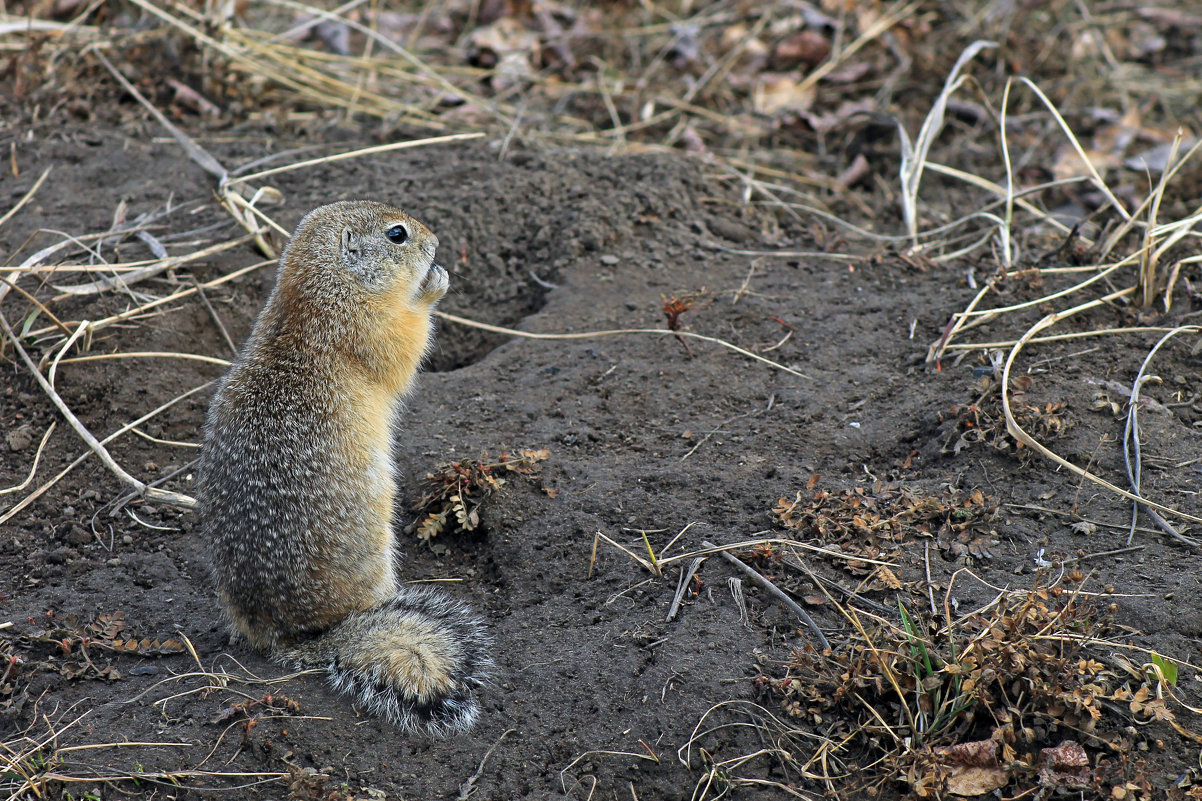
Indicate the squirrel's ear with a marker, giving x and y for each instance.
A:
(350, 246)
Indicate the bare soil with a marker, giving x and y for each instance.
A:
(596, 695)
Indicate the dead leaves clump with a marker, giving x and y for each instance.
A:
(453, 494)
(73, 650)
(1010, 696)
(983, 424)
(872, 522)
(69, 649)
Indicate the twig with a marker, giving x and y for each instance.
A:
(28, 196)
(468, 787)
(822, 583)
(146, 354)
(914, 154)
(37, 457)
(776, 591)
(433, 140)
(120, 503)
(926, 559)
(683, 586)
(541, 282)
(496, 329)
(1072, 138)
(8, 284)
(213, 313)
(149, 493)
(1100, 554)
(1131, 447)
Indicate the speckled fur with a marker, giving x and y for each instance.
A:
(296, 480)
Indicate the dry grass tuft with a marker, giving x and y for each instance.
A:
(940, 705)
(53, 753)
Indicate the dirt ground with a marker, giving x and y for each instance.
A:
(642, 436)
(597, 695)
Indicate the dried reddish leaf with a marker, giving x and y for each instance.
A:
(673, 307)
(979, 753)
(1065, 766)
(974, 767)
(806, 47)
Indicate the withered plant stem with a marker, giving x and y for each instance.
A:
(775, 591)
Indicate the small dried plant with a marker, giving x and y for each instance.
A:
(453, 494)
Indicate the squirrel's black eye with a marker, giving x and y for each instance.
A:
(397, 235)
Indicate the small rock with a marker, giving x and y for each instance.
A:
(21, 438)
(77, 535)
(58, 556)
(730, 230)
(609, 260)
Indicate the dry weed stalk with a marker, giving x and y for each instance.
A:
(1151, 279)
(914, 155)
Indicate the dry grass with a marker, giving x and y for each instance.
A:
(55, 754)
(910, 698)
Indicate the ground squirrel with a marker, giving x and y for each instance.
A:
(296, 478)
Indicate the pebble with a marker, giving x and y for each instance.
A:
(21, 438)
(77, 535)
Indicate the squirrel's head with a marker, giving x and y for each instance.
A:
(367, 250)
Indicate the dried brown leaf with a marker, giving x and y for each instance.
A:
(1065, 766)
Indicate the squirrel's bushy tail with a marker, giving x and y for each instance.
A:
(417, 660)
